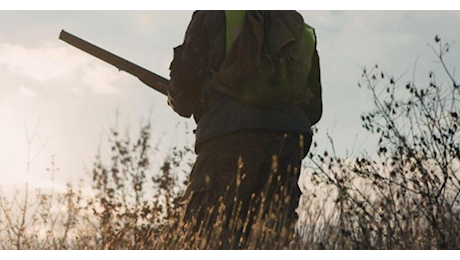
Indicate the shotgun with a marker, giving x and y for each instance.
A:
(149, 78)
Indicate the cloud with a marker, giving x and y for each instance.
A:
(152, 22)
(41, 63)
(27, 92)
(103, 76)
(144, 21)
(51, 62)
(323, 18)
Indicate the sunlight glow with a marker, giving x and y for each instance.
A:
(12, 145)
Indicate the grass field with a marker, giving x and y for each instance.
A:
(406, 196)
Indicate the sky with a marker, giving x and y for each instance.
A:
(67, 100)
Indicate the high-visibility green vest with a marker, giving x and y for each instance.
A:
(263, 70)
(234, 21)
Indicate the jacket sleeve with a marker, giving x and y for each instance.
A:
(314, 106)
(188, 69)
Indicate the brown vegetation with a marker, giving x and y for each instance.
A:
(405, 197)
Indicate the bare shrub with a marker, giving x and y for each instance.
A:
(406, 197)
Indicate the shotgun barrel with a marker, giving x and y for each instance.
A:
(147, 77)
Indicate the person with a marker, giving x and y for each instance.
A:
(249, 152)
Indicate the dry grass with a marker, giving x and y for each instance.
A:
(405, 197)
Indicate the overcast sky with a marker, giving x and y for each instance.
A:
(74, 97)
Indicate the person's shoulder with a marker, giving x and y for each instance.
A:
(198, 18)
(209, 13)
(198, 13)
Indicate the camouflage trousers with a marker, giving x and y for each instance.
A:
(243, 183)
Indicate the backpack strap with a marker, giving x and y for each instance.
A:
(309, 37)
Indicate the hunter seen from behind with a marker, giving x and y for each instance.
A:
(237, 130)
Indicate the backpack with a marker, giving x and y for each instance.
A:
(268, 62)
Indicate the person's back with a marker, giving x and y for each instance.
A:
(244, 149)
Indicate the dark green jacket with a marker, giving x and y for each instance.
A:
(195, 62)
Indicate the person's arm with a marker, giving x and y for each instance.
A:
(189, 69)
(314, 106)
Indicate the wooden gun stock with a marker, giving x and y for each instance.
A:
(147, 77)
